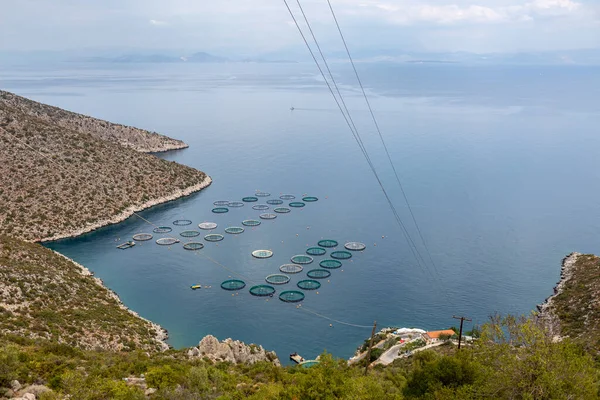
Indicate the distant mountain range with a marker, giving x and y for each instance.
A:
(200, 57)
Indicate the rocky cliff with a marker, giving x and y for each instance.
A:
(232, 350)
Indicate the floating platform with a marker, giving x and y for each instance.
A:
(316, 251)
(142, 237)
(235, 204)
(297, 358)
(310, 199)
(250, 222)
(297, 204)
(355, 246)
(287, 197)
(268, 216)
(182, 222)
(262, 194)
(301, 259)
(282, 210)
(260, 207)
(291, 268)
(126, 245)
(194, 287)
(274, 202)
(207, 226)
(327, 243)
(262, 253)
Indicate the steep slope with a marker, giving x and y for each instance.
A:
(57, 182)
(127, 136)
(43, 295)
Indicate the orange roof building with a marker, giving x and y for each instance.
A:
(435, 335)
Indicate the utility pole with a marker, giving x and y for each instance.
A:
(462, 319)
(370, 345)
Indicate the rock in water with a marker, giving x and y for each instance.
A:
(233, 351)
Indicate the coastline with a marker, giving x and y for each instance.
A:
(546, 314)
(156, 150)
(129, 212)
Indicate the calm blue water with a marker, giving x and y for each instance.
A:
(499, 165)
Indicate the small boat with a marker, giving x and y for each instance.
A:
(292, 108)
(126, 245)
(194, 287)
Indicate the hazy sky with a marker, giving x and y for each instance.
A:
(262, 26)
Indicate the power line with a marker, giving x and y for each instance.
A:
(414, 249)
(381, 136)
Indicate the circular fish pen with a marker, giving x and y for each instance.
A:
(297, 204)
(167, 241)
(281, 210)
(250, 199)
(268, 216)
(262, 290)
(315, 251)
(162, 229)
(142, 237)
(301, 259)
(291, 268)
(234, 230)
(193, 246)
(291, 296)
(277, 279)
(355, 246)
(220, 210)
(341, 255)
(189, 233)
(262, 194)
(221, 203)
(318, 274)
(310, 199)
(308, 284)
(327, 243)
(330, 264)
(260, 207)
(214, 237)
(274, 202)
(233, 284)
(262, 253)
(235, 204)
(182, 222)
(251, 222)
(207, 226)
(287, 197)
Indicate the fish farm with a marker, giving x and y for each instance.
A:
(142, 237)
(182, 222)
(291, 296)
(291, 268)
(301, 259)
(207, 226)
(316, 251)
(277, 279)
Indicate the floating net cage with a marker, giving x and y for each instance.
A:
(281, 210)
(274, 202)
(310, 199)
(214, 237)
(142, 237)
(233, 284)
(234, 230)
(251, 222)
(262, 290)
(315, 251)
(262, 253)
(327, 243)
(207, 226)
(330, 264)
(221, 203)
(291, 296)
(193, 246)
(268, 216)
(302, 259)
(341, 255)
(262, 194)
(182, 222)
(287, 197)
(355, 246)
(220, 210)
(277, 279)
(297, 204)
(235, 204)
(250, 199)
(167, 241)
(189, 233)
(162, 229)
(308, 284)
(260, 207)
(291, 268)
(318, 274)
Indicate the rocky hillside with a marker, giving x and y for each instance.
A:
(574, 309)
(57, 181)
(233, 351)
(43, 295)
(127, 136)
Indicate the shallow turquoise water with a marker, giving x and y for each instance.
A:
(499, 165)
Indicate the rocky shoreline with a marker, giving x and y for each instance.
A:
(129, 212)
(546, 314)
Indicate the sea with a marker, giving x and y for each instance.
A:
(498, 165)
